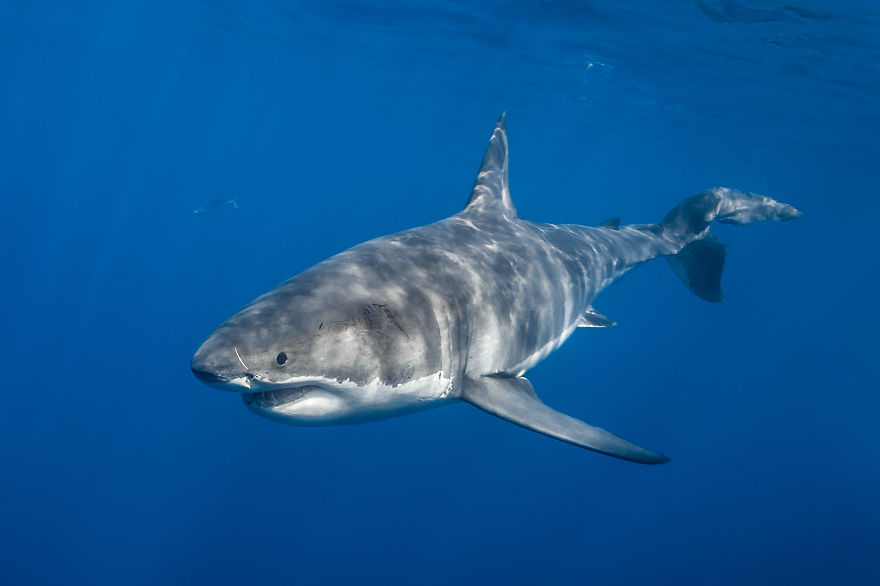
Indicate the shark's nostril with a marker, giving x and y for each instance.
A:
(207, 377)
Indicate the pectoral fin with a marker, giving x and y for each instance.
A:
(514, 399)
(593, 319)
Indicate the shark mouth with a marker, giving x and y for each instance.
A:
(269, 399)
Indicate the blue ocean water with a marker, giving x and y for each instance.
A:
(338, 121)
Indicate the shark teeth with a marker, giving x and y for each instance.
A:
(274, 398)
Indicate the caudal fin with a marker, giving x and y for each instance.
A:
(700, 260)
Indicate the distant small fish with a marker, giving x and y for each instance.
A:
(216, 205)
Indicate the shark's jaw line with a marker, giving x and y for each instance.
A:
(278, 397)
(321, 401)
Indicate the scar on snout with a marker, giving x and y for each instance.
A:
(237, 355)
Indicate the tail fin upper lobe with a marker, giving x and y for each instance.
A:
(700, 261)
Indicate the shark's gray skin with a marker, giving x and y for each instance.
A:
(456, 311)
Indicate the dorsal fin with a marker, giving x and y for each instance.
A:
(491, 191)
(613, 223)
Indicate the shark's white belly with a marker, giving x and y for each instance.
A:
(318, 401)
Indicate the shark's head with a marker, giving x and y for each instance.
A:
(311, 354)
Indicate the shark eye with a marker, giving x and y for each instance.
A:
(281, 358)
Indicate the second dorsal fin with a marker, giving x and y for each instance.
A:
(491, 192)
(613, 223)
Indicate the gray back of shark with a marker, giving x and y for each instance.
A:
(457, 310)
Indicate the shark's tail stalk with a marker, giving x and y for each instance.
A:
(700, 261)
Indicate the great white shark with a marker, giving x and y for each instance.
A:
(457, 310)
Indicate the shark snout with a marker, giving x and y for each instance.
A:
(206, 370)
(226, 381)
(206, 376)
(216, 368)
